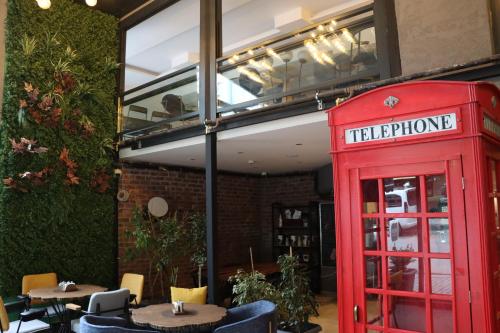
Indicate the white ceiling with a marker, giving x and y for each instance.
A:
(174, 32)
(272, 146)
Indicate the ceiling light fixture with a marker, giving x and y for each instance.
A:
(91, 3)
(44, 4)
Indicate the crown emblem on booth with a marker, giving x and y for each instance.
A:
(391, 101)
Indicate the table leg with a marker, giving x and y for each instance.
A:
(63, 316)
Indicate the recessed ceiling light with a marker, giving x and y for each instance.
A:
(298, 144)
(263, 173)
(240, 152)
(251, 162)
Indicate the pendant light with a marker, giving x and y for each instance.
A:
(91, 3)
(44, 4)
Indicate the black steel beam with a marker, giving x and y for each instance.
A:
(144, 13)
(386, 32)
(210, 50)
(495, 23)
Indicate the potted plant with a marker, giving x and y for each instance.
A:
(156, 240)
(402, 277)
(297, 302)
(293, 297)
(198, 242)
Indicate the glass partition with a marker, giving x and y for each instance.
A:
(161, 75)
(168, 104)
(303, 59)
(325, 56)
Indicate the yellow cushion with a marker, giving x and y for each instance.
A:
(47, 280)
(33, 281)
(134, 283)
(194, 295)
(4, 317)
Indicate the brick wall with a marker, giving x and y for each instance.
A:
(244, 209)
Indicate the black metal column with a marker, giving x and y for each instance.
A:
(210, 50)
(386, 32)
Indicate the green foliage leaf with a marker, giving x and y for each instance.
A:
(55, 227)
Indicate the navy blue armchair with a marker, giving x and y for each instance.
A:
(98, 324)
(256, 317)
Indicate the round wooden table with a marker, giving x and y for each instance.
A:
(195, 316)
(83, 290)
(54, 294)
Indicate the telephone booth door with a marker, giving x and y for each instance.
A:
(409, 248)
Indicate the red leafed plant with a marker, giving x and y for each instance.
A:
(100, 181)
(71, 177)
(27, 146)
(23, 180)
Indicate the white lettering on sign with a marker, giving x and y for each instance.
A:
(491, 125)
(398, 129)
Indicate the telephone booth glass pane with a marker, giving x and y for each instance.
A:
(405, 273)
(373, 267)
(404, 234)
(374, 309)
(372, 234)
(441, 276)
(407, 313)
(442, 316)
(370, 196)
(437, 200)
(439, 235)
(407, 254)
(402, 195)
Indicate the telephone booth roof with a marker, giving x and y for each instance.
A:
(417, 110)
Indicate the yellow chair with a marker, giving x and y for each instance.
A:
(134, 283)
(193, 296)
(28, 321)
(33, 281)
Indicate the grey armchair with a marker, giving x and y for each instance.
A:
(107, 304)
(256, 317)
(96, 324)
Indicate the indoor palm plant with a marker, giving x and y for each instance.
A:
(157, 240)
(292, 295)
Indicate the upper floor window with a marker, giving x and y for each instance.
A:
(306, 48)
(161, 81)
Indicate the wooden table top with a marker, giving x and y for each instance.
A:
(161, 317)
(83, 290)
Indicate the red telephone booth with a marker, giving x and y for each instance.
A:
(417, 177)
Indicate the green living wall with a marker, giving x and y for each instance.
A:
(56, 152)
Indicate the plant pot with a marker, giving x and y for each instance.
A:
(306, 328)
(409, 279)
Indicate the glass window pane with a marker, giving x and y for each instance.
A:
(373, 267)
(370, 196)
(437, 200)
(404, 234)
(163, 43)
(441, 276)
(442, 316)
(407, 313)
(258, 73)
(372, 234)
(402, 195)
(405, 273)
(374, 309)
(439, 235)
